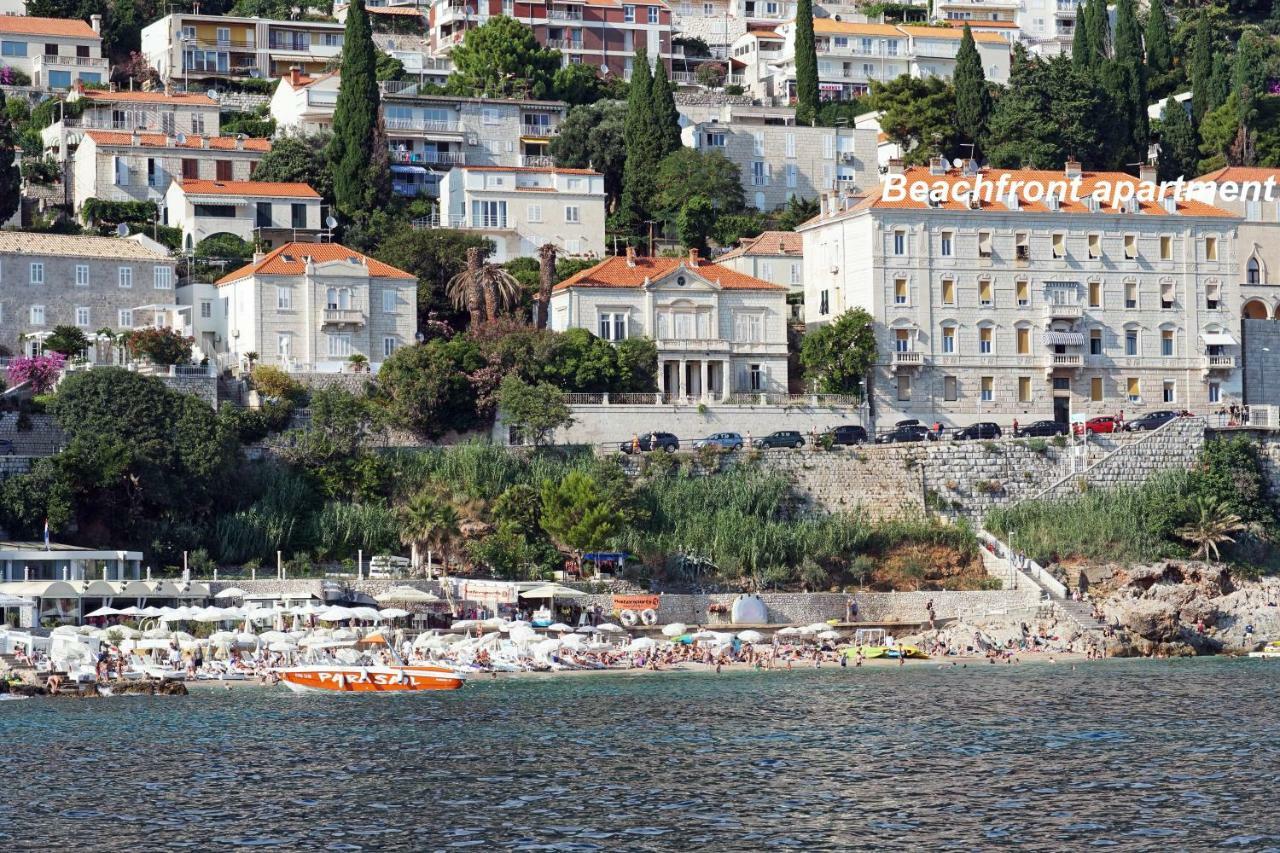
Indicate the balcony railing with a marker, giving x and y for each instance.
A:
(435, 220)
(537, 161)
(536, 129)
(1063, 310)
(908, 359)
(430, 158)
(424, 125)
(564, 14)
(1220, 362)
(342, 316)
(76, 61)
(1069, 360)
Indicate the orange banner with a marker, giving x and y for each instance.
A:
(635, 602)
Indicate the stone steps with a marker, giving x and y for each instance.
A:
(1081, 613)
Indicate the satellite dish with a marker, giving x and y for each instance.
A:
(122, 230)
(212, 94)
(330, 222)
(957, 162)
(604, 68)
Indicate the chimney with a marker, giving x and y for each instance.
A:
(1073, 168)
(295, 75)
(95, 21)
(938, 166)
(895, 166)
(1147, 173)
(257, 257)
(135, 140)
(693, 257)
(631, 256)
(78, 86)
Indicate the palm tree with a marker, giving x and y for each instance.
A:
(546, 280)
(485, 289)
(1214, 526)
(431, 522)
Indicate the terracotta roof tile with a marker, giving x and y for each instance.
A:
(1241, 173)
(149, 97)
(950, 33)
(159, 140)
(24, 25)
(831, 26)
(248, 188)
(615, 272)
(289, 259)
(768, 243)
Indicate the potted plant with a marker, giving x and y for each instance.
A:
(359, 362)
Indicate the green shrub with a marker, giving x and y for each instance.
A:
(1038, 445)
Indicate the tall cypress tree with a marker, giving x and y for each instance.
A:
(10, 177)
(1156, 38)
(1179, 148)
(355, 117)
(1099, 25)
(640, 136)
(1081, 50)
(665, 114)
(1133, 72)
(973, 99)
(806, 64)
(1249, 75)
(1200, 70)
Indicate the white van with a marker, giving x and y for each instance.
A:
(387, 566)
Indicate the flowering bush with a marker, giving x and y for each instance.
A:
(162, 346)
(42, 371)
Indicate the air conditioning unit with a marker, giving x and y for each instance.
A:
(472, 139)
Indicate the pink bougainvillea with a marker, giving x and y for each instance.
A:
(42, 371)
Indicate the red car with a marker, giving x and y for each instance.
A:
(1104, 423)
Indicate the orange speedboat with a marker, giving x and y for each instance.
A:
(395, 678)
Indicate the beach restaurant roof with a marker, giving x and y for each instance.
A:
(37, 552)
(104, 589)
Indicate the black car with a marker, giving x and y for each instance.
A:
(1151, 420)
(781, 438)
(1042, 429)
(899, 435)
(849, 434)
(984, 429)
(908, 422)
(653, 441)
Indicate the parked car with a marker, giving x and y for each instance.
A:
(1100, 424)
(654, 441)
(781, 438)
(1042, 429)
(909, 432)
(727, 440)
(1151, 420)
(908, 422)
(848, 434)
(983, 429)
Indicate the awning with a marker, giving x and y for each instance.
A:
(1066, 339)
(1218, 339)
(409, 170)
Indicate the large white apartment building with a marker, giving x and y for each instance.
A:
(144, 112)
(851, 56)
(308, 307)
(1031, 305)
(718, 332)
(55, 53)
(779, 160)
(120, 166)
(192, 47)
(522, 209)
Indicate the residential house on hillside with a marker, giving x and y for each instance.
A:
(269, 213)
(166, 113)
(309, 307)
(718, 332)
(55, 53)
(49, 280)
(1032, 304)
(776, 257)
(304, 104)
(118, 166)
(522, 209)
(187, 46)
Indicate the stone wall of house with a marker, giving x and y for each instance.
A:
(204, 387)
(42, 438)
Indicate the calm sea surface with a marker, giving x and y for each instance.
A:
(1135, 755)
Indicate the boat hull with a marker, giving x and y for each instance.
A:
(370, 679)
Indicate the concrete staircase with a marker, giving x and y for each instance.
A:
(1081, 613)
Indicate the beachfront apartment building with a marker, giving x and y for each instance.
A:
(1031, 305)
(266, 212)
(49, 280)
(604, 34)
(166, 112)
(523, 209)
(779, 160)
(117, 166)
(851, 56)
(309, 307)
(56, 53)
(718, 332)
(190, 47)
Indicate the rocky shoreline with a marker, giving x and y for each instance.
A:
(73, 690)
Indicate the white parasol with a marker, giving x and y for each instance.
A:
(675, 629)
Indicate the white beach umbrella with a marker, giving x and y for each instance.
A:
(610, 628)
(369, 614)
(274, 637)
(337, 614)
(675, 629)
(344, 634)
(132, 610)
(588, 629)
(153, 611)
(559, 626)
(211, 614)
(816, 628)
(464, 624)
(124, 632)
(751, 636)
(246, 639)
(641, 644)
(393, 613)
(574, 640)
(102, 611)
(523, 634)
(231, 592)
(64, 629)
(280, 646)
(222, 638)
(788, 632)
(829, 635)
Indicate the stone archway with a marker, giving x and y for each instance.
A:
(1256, 309)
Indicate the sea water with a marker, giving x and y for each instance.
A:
(1134, 755)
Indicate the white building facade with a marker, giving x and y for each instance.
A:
(251, 210)
(1027, 309)
(55, 53)
(166, 113)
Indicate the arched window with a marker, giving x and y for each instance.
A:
(1253, 272)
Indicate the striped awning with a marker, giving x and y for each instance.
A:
(1066, 339)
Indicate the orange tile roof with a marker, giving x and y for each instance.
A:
(159, 140)
(985, 25)
(290, 259)
(150, 97)
(406, 11)
(24, 25)
(616, 272)
(834, 27)
(248, 188)
(1240, 173)
(768, 243)
(949, 33)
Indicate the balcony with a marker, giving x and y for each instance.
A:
(429, 158)
(424, 126)
(571, 14)
(64, 61)
(908, 359)
(342, 317)
(1065, 361)
(542, 130)
(1055, 310)
(1219, 362)
(537, 161)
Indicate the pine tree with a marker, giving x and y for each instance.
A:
(806, 64)
(1200, 70)
(640, 132)
(1156, 38)
(973, 99)
(1081, 49)
(1249, 75)
(664, 112)
(355, 117)
(1128, 56)
(1179, 148)
(10, 177)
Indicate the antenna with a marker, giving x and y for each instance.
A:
(122, 230)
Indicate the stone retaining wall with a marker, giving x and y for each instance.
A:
(1175, 446)
(204, 387)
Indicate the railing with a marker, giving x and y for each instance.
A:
(436, 221)
(564, 15)
(1220, 362)
(430, 158)
(536, 129)
(342, 315)
(425, 125)
(538, 161)
(410, 189)
(835, 401)
(1058, 359)
(79, 61)
(908, 359)
(1064, 310)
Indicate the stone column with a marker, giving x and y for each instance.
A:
(705, 389)
(662, 378)
(682, 385)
